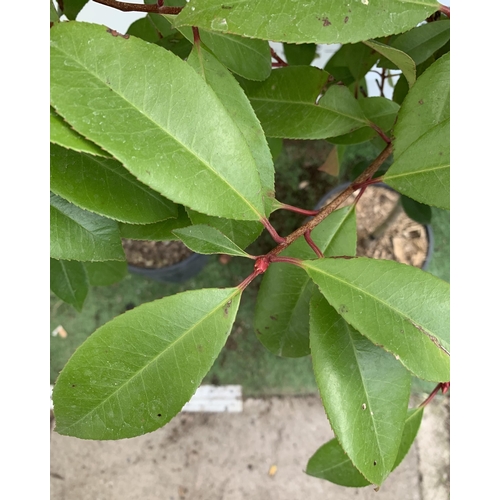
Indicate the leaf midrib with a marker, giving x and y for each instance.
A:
(416, 172)
(153, 360)
(217, 175)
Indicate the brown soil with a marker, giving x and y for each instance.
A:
(385, 231)
(154, 254)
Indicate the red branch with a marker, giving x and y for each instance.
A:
(134, 7)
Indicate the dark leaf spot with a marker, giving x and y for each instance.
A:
(266, 328)
(421, 101)
(326, 21)
(226, 7)
(115, 33)
(343, 309)
(274, 318)
(258, 332)
(226, 307)
(346, 19)
(199, 347)
(375, 462)
(159, 414)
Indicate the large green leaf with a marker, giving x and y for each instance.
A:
(331, 463)
(365, 391)
(241, 232)
(135, 373)
(403, 61)
(287, 105)
(317, 21)
(421, 168)
(69, 281)
(234, 100)
(281, 319)
(76, 234)
(103, 186)
(378, 110)
(159, 230)
(63, 135)
(105, 273)
(155, 115)
(421, 42)
(401, 308)
(208, 240)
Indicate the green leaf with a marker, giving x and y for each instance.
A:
(208, 240)
(317, 21)
(156, 116)
(275, 146)
(330, 461)
(378, 110)
(403, 61)
(286, 105)
(68, 280)
(159, 230)
(351, 63)
(421, 168)
(144, 29)
(300, 55)
(62, 134)
(72, 8)
(412, 425)
(401, 308)
(416, 211)
(281, 319)
(247, 57)
(54, 16)
(76, 234)
(421, 42)
(145, 365)
(243, 233)
(105, 273)
(365, 391)
(103, 186)
(234, 100)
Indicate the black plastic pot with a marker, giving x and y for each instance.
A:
(428, 228)
(176, 273)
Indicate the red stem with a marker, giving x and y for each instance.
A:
(276, 237)
(302, 211)
(445, 10)
(443, 386)
(310, 242)
(196, 36)
(380, 132)
(278, 58)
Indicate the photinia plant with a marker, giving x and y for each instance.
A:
(162, 133)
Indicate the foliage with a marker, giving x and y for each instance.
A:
(165, 133)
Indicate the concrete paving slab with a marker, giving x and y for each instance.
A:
(230, 456)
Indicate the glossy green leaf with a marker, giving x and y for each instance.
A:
(159, 230)
(105, 273)
(416, 211)
(76, 234)
(71, 8)
(364, 389)
(330, 461)
(401, 308)
(103, 186)
(241, 232)
(69, 281)
(317, 21)
(208, 240)
(421, 42)
(155, 115)
(351, 62)
(378, 110)
(403, 61)
(170, 39)
(281, 319)
(287, 105)
(275, 146)
(62, 134)
(421, 168)
(234, 100)
(135, 373)
(299, 55)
